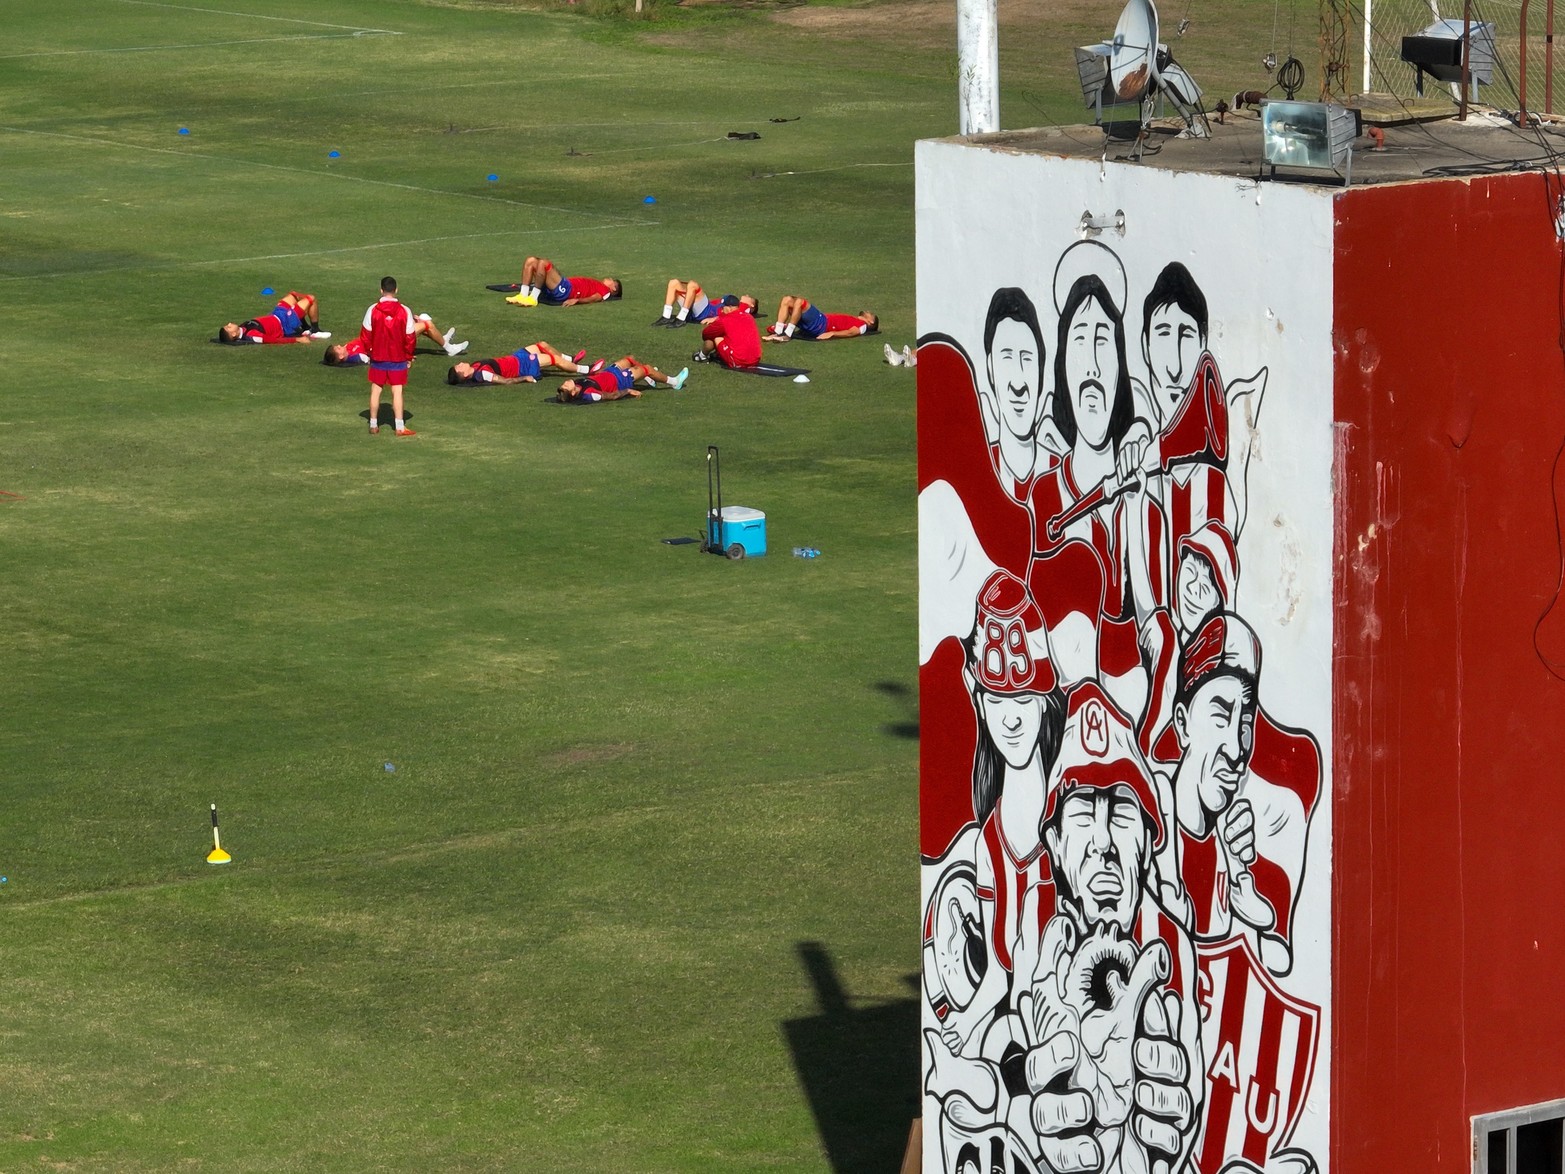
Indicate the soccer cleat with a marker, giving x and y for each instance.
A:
(319, 335)
(455, 348)
(579, 355)
(598, 366)
(678, 381)
(448, 333)
(909, 358)
(530, 300)
(374, 428)
(892, 356)
(406, 432)
(700, 357)
(516, 300)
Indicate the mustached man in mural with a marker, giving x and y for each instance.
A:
(1115, 830)
(1094, 494)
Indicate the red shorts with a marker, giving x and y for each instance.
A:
(725, 351)
(388, 378)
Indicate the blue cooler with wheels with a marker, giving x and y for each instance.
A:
(737, 531)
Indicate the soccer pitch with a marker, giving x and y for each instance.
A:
(642, 883)
(640, 893)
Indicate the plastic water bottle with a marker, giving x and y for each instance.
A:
(391, 768)
(805, 552)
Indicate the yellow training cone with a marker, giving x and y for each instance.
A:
(216, 855)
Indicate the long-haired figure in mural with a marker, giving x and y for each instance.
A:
(1021, 712)
(1093, 409)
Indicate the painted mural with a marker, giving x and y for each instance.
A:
(1117, 819)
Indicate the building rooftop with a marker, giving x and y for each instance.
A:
(1413, 148)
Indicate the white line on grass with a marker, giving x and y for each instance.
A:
(822, 170)
(426, 240)
(408, 187)
(320, 24)
(192, 45)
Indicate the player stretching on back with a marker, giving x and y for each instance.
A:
(347, 354)
(541, 281)
(390, 334)
(686, 301)
(523, 366)
(294, 319)
(616, 380)
(795, 313)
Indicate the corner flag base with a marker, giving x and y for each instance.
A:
(218, 856)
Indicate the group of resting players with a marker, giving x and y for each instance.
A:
(730, 335)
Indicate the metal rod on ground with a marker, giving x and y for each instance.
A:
(1548, 59)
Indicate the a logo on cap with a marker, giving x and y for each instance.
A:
(1094, 729)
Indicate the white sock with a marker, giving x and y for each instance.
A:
(583, 369)
(788, 330)
(399, 424)
(668, 310)
(684, 312)
(533, 291)
(777, 328)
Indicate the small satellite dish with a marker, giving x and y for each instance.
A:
(1133, 56)
(1126, 80)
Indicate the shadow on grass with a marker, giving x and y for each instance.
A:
(900, 692)
(858, 1063)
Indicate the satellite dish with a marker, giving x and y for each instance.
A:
(1133, 57)
(1127, 80)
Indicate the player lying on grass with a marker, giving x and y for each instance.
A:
(796, 314)
(523, 366)
(686, 301)
(347, 354)
(617, 379)
(294, 319)
(733, 338)
(541, 281)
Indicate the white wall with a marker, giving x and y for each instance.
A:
(1261, 254)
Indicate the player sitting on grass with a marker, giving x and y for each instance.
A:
(295, 319)
(346, 354)
(733, 338)
(618, 377)
(796, 313)
(685, 301)
(542, 281)
(523, 366)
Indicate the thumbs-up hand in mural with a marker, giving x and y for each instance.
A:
(1163, 1119)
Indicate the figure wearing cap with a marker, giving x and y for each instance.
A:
(1244, 789)
(1111, 1008)
(1021, 711)
(1205, 578)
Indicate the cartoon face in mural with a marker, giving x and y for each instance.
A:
(1014, 353)
(1214, 717)
(1092, 402)
(1013, 722)
(1099, 846)
(1173, 335)
(1195, 591)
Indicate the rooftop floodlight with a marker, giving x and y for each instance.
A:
(1438, 50)
(1313, 136)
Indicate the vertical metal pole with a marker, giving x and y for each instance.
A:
(1548, 60)
(978, 65)
(1467, 56)
(1521, 115)
(1369, 24)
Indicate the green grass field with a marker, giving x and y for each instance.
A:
(641, 893)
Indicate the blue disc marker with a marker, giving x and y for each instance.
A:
(492, 178)
(184, 130)
(267, 292)
(650, 200)
(334, 154)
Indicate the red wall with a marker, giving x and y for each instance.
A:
(1449, 763)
